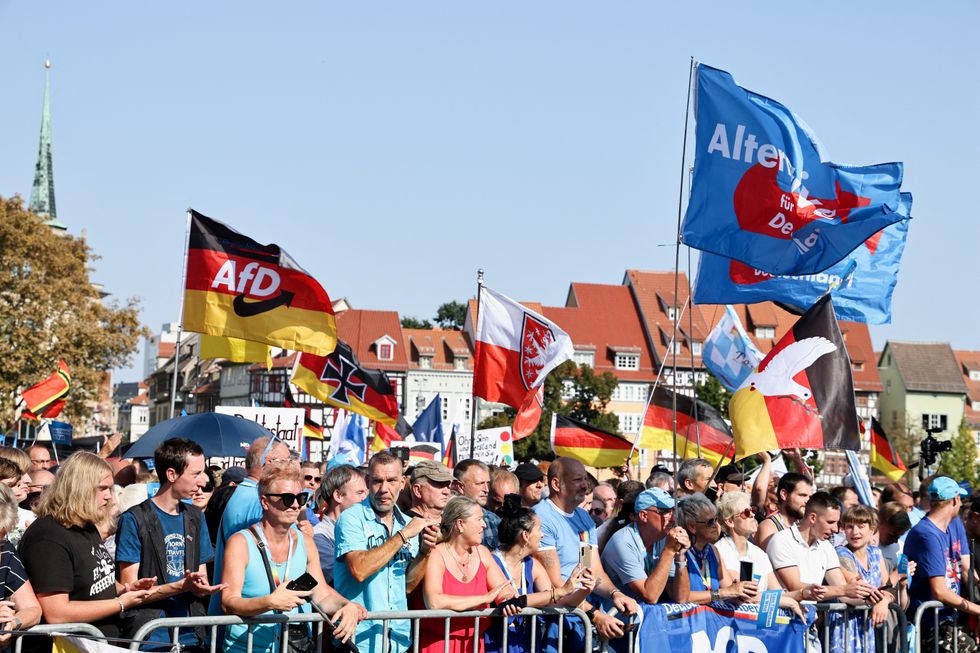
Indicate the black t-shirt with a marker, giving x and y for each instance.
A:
(69, 560)
(12, 574)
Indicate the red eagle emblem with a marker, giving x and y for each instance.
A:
(536, 337)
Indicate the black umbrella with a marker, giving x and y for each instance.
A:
(218, 434)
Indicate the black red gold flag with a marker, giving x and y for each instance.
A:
(41, 399)
(239, 288)
(587, 444)
(339, 380)
(884, 458)
(802, 393)
(696, 422)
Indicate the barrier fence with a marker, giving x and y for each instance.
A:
(890, 636)
(942, 631)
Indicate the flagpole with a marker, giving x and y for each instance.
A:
(180, 322)
(690, 327)
(476, 333)
(677, 252)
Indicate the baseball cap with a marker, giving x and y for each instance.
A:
(233, 475)
(653, 498)
(341, 459)
(431, 470)
(944, 487)
(729, 474)
(528, 473)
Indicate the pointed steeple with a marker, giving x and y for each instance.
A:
(42, 192)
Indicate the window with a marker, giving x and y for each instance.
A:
(584, 358)
(765, 332)
(445, 410)
(975, 405)
(629, 392)
(670, 313)
(459, 363)
(385, 352)
(628, 423)
(627, 361)
(933, 421)
(857, 367)
(696, 347)
(975, 375)
(425, 362)
(466, 408)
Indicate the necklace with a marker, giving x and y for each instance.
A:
(462, 566)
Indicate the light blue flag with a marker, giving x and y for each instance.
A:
(428, 425)
(864, 297)
(354, 443)
(728, 353)
(765, 193)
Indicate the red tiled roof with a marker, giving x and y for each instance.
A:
(647, 285)
(602, 318)
(443, 345)
(970, 361)
(361, 329)
(166, 349)
(653, 293)
(278, 362)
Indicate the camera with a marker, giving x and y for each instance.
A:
(931, 447)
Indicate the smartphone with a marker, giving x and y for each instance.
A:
(745, 570)
(304, 583)
(585, 555)
(903, 565)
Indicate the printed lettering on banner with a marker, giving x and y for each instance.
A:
(285, 423)
(493, 446)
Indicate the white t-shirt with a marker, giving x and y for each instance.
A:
(787, 549)
(731, 558)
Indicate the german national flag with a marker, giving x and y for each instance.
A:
(802, 393)
(883, 458)
(384, 437)
(239, 288)
(696, 421)
(339, 380)
(449, 455)
(42, 398)
(587, 444)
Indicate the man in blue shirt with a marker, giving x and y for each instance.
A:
(937, 552)
(166, 538)
(379, 560)
(472, 479)
(565, 529)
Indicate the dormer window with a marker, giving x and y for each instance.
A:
(425, 362)
(384, 347)
(696, 347)
(627, 361)
(765, 332)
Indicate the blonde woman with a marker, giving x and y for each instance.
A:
(72, 572)
(19, 608)
(19, 481)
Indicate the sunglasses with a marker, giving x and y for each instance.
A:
(315, 479)
(289, 499)
(708, 522)
(208, 488)
(747, 513)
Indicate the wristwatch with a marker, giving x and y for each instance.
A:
(590, 613)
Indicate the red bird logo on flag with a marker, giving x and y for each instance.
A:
(536, 338)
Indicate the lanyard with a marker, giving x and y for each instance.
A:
(503, 565)
(289, 558)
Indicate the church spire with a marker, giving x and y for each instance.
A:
(42, 192)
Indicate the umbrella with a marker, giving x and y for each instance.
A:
(219, 435)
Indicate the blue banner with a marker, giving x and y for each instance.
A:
(60, 433)
(865, 297)
(764, 192)
(428, 425)
(690, 628)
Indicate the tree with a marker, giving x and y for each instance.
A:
(451, 315)
(960, 462)
(409, 322)
(714, 394)
(49, 310)
(588, 398)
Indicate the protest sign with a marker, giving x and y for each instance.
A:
(493, 446)
(285, 423)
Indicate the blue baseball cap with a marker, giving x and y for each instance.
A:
(340, 459)
(944, 487)
(653, 498)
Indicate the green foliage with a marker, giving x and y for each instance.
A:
(49, 310)
(409, 322)
(715, 395)
(451, 315)
(960, 462)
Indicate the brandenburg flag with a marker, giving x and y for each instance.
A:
(883, 457)
(339, 380)
(238, 288)
(42, 399)
(696, 421)
(587, 444)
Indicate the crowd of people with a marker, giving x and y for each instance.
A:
(116, 545)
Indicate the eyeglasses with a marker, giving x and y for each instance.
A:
(315, 479)
(39, 485)
(708, 522)
(208, 488)
(289, 499)
(747, 513)
(41, 462)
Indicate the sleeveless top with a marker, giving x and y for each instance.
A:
(432, 631)
(776, 521)
(859, 639)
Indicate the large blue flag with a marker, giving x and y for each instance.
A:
(866, 296)
(764, 192)
(728, 352)
(354, 443)
(428, 425)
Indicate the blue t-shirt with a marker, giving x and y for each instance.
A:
(562, 532)
(360, 529)
(130, 549)
(490, 539)
(936, 554)
(243, 510)
(625, 560)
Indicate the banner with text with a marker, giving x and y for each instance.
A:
(285, 423)
(493, 446)
(690, 628)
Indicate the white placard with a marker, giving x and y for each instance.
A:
(493, 446)
(285, 423)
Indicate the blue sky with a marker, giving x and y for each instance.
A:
(395, 147)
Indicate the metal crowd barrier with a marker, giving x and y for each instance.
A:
(49, 629)
(889, 636)
(174, 625)
(935, 607)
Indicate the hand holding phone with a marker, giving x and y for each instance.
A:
(304, 583)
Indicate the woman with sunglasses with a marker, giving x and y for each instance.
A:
(710, 580)
(250, 590)
(203, 494)
(738, 524)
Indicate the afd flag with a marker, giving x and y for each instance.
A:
(690, 628)
(764, 192)
(728, 352)
(428, 425)
(865, 297)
